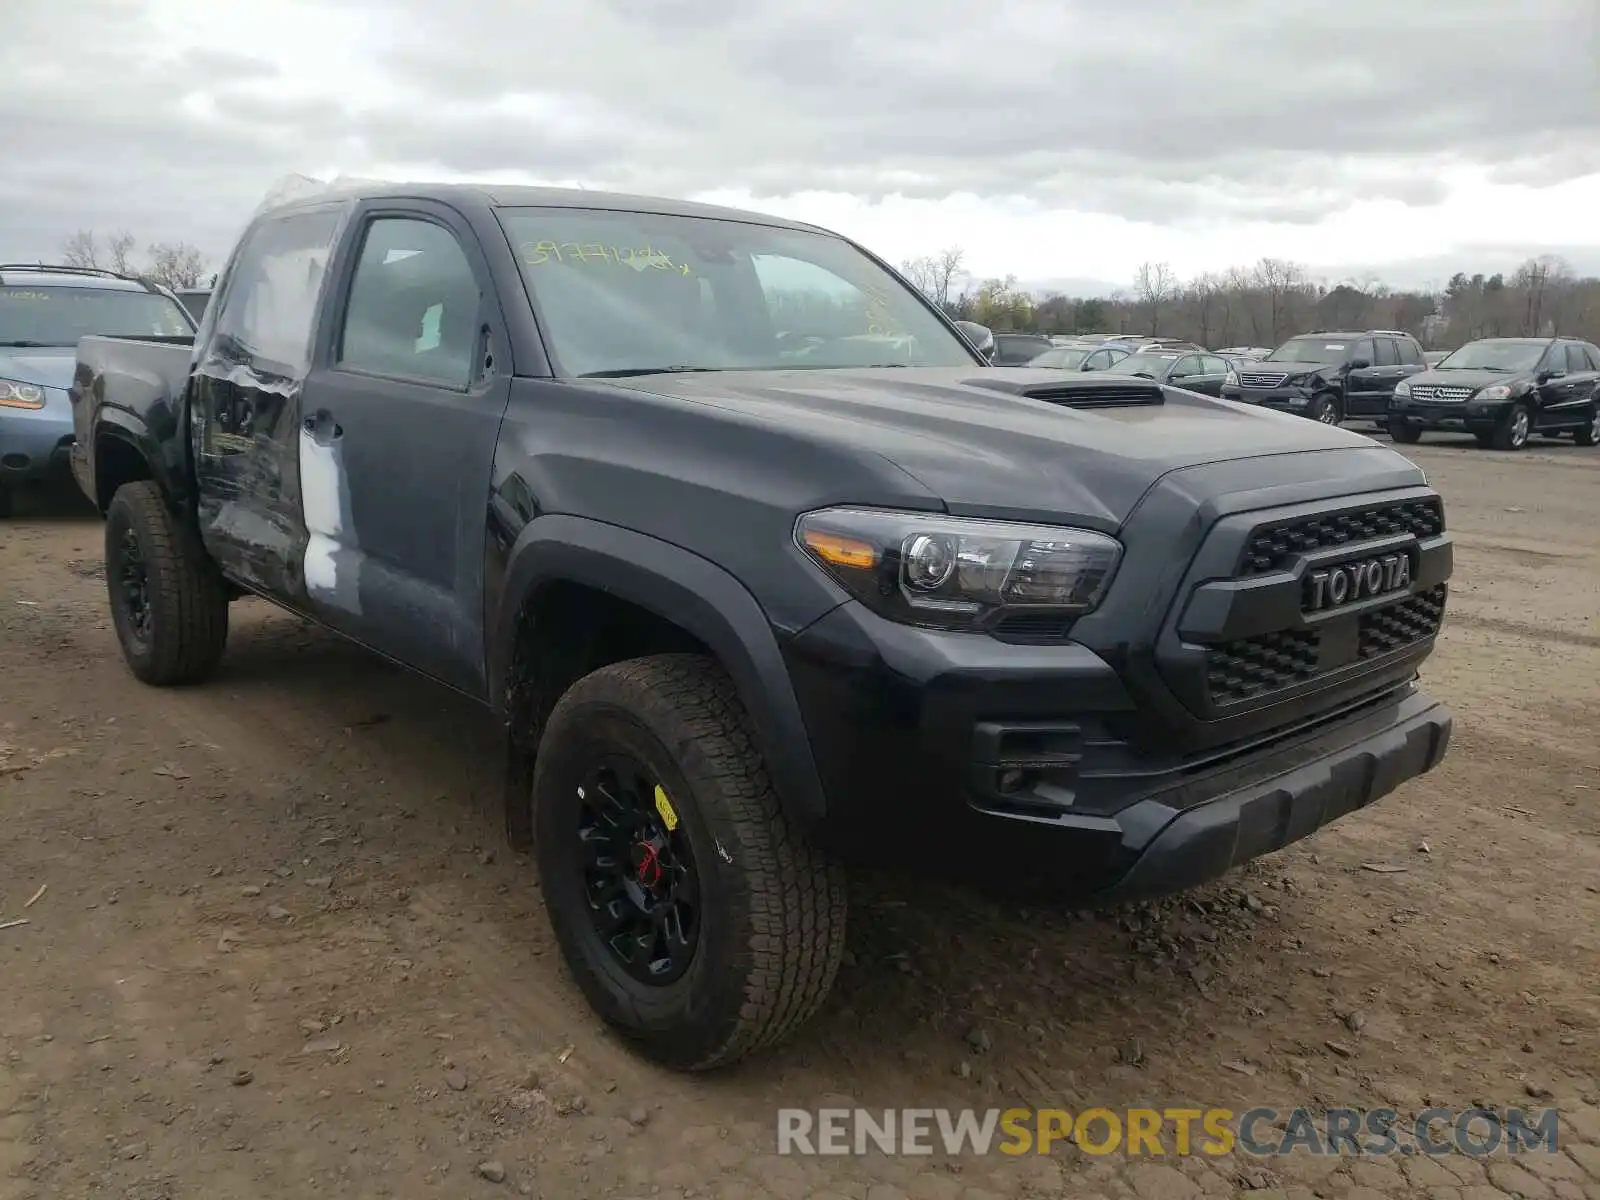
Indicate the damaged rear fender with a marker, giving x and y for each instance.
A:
(678, 586)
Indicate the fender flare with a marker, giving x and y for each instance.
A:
(114, 424)
(693, 593)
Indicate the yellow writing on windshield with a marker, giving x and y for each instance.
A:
(880, 322)
(537, 254)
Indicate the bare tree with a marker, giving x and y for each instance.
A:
(935, 275)
(176, 265)
(119, 246)
(82, 249)
(1156, 286)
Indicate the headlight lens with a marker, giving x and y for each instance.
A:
(1495, 391)
(20, 395)
(1231, 379)
(955, 572)
(1403, 388)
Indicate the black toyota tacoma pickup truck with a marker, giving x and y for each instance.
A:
(765, 571)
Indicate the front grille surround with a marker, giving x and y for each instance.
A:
(1263, 379)
(1440, 393)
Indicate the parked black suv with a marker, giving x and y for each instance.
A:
(1504, 390)
(759, 584)
(1331, 376)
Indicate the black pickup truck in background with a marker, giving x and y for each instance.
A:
(765, 571)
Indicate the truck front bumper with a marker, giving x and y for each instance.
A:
(975, 759)
(1472, 416)
(1283, 399)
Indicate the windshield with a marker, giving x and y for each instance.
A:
(59, 316)
(1493, 356)
(1154, 365)
(632, 293)
(1061, 357)
(1312, 350)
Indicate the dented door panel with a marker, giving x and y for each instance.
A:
(245, 401)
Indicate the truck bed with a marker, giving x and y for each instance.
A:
(136, 385)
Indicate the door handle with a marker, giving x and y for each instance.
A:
(322, 427)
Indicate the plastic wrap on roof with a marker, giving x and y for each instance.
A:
(307, 187)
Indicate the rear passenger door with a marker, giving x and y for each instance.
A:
(1382, 379)
(244, 398)
(396, 446)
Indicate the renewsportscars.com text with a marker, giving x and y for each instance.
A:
(1261, 1132)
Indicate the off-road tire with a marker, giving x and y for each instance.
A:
(188, 601)
(1504, 431)
(1589, 435)
(772, 906)
(1326, 403)
(1406, 435)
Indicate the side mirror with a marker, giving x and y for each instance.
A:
(1359, 364)
(1546, 375)
(981, 336)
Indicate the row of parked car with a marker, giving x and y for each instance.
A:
(1501, 390)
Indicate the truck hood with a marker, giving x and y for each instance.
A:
(968, 436)
(44, 366)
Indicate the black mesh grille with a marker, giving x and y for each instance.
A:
(1402, 624)
(1274, 547)
(1252, 666)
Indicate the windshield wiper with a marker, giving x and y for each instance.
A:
(625, 372)
(28, 344)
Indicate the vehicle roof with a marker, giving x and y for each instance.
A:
(478, 195)
(1526, 341)
(1352, 333)
(43, 276)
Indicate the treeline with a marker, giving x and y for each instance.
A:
(175, 265)
(1275, 299)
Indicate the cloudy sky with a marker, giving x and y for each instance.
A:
(1064, 140)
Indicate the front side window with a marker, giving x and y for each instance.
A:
(414, 305)
(271, 302)
(54, 315)
(631, 293)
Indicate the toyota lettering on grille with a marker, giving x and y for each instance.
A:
(1359, 580)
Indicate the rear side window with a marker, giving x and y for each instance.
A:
(414, 303)
(1594, 358)
(1410, 352)
(271, 302)
(1386, 354)
(1577, 360)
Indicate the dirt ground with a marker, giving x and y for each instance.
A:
(282, 951)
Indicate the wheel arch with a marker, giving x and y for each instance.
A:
(567, 571)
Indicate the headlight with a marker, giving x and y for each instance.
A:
(1231, 379)
(954, 572)
(1495, 391)
(1403, 388)
(1297, 380)
(20, 395)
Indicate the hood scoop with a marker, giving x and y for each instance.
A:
(1071, 393)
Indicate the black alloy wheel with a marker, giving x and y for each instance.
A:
(638, 872)
(132, 590)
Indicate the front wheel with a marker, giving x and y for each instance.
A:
(1589, 435)
(1406, 435)
(168, 601)
(697, 920)
(1326, 410)
(1513, 430)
